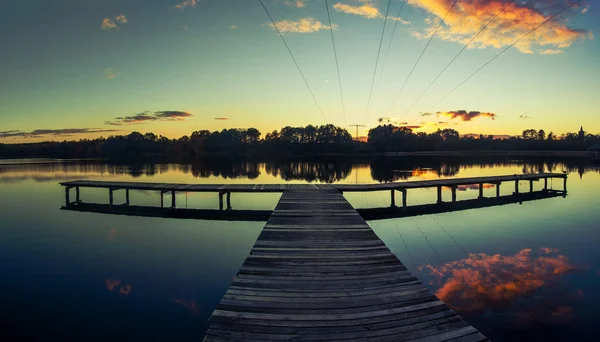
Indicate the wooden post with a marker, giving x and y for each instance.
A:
(110, 197)
(516, 187)
(439, 194)
(480, 190)
(393, 198)
(229, 201)
(162, 199)
(127, 196)
(498, 189)
(67, 193)
(545, 183)
(173, 204)
(531, 185)
(220, 201)
(565, 185)
(77, 197)
(404, 198)
(454, 193)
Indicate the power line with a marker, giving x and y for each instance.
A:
(295, 62)
(377, 59)
(392, 38)
(501, 52)
(336, 62)
(458, 54)
(420, 56)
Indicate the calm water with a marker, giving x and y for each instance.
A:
(516, 272)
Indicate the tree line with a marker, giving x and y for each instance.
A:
(292, 141)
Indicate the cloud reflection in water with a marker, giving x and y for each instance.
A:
(483, 282)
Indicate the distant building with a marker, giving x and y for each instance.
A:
(594, 151)
(581, 134)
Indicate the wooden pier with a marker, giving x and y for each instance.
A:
(319, 273)
(225, 190)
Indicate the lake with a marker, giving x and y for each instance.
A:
(516, 272)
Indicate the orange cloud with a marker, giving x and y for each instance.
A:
(304, 25)
(463, 115)
(108, 24)
(475, 283)
(468, 17)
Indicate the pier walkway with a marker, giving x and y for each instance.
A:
(319, 273)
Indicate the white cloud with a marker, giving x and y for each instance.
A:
(304, 25)
(296, 3)
(585, 9)
(110, 73)
(233, 27)
(367, 9)
(186, 3)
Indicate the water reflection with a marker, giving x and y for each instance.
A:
(483, 282)
(338, 170)
(114, 285)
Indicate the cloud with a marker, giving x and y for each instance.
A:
(367, 9)
(426, 114)
(585, 9)
(468, 17)
(551, 52)
(121, 18)
(108, 24)
(222, 119)
(110, 73)
(304, 25)
(524, 117)
(52, 132)
(233, 27)
(186, 3)
(483, 281)
(148, 116)
(463, 115)
(296, 3)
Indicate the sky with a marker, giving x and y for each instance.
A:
(74, 69)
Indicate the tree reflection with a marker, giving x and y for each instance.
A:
(310, 171)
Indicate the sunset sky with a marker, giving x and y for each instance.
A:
(76, 69)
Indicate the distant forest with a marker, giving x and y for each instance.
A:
(293, 141)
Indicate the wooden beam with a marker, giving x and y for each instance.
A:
(220, 200)
(454, 193)
(392, 198)
(439, 194)
(480, 190)
(404, 192)
(545, 183)
(228, 200)
(498, 189)
(531, 186)
(162, 199)
(67, 194)
(173, 197)
(517, 187)
(110, 197)
(77, 195)
(127, 196)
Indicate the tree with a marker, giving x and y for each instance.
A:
(530, 134)
(541, 135)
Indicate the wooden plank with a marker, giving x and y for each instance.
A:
(318, 272)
